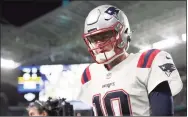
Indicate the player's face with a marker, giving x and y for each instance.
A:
(33, 111)
(102, 41)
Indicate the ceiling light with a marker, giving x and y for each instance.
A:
(184, 37)
(165, 43)
(8, 64)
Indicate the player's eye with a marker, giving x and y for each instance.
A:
(104, 36)
(94, 38)
(108, 34)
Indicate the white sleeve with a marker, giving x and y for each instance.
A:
(163, 69)
(85, 92)
(84, 95)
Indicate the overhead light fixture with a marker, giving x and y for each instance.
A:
(165, 43)
(8, 64)
(184, 37)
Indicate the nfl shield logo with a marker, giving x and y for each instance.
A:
(109, 75)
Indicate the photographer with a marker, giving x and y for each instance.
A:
(37, 109)
(52, 107)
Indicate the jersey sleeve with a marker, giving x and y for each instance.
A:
(161, 68)
(85, 93)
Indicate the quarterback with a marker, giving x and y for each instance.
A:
(122, 84)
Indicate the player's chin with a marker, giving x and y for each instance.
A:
(101, 59)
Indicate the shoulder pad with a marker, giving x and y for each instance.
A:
(86, 76)
(147, 57)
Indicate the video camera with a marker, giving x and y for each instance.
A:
(58, 107)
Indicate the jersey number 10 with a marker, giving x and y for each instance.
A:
(111, 109)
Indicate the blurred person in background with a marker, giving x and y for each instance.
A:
(51, 107)
(123, 84)
(78, 114)
(37, 109)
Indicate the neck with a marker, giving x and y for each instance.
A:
(116, 61)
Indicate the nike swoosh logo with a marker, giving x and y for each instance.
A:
(168, 57)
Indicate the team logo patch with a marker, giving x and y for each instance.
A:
(168, 68)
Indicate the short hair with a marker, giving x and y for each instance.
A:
(39, 105)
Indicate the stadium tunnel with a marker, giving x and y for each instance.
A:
(49, 33)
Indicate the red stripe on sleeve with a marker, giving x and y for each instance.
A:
(82, 80)
(151, 58)
(141, 59)
(88, 73)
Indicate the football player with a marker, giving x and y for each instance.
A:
(122, 84)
